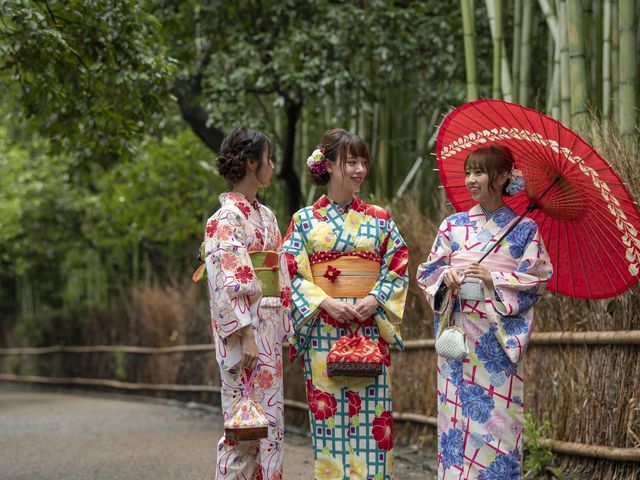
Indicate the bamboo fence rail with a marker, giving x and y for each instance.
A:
(624, 337)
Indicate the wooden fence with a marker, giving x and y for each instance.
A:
(545, 338)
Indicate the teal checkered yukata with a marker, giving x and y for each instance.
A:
(351, 417)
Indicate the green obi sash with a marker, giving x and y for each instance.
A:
(265, 264)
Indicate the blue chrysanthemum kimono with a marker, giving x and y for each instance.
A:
(326, 249)
(480, 399)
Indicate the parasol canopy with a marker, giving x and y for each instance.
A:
(588, 220)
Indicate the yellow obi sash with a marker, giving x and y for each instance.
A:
(347, 276)
(265, 264)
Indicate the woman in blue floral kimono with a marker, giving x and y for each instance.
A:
(348, 265)
(250, 311)
(480, 398)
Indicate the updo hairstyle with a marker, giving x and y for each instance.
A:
(338, 144)
(492, 160)
(240, 145)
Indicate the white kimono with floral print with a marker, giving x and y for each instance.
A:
(480, 399)
(236, 300)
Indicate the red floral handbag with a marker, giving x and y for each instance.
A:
(355, 356)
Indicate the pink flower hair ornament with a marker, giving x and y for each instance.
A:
(317, 162)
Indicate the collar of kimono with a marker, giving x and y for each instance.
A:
(321, 205)
(238, 199)
(488, 215)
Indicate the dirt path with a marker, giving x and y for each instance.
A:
(46, 435)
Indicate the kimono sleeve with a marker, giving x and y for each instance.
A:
(306, 295)
(391, 288)
(515, 292)
(232, 281)
(430, 274)
(285, 284)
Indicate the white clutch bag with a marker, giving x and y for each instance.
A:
(452, 342)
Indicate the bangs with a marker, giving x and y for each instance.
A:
(356, 147)
(475, 163)
(485, 160)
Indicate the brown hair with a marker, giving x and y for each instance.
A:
(338, 144)
(238, 147)
(492, 160)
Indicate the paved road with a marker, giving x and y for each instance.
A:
(69, 436)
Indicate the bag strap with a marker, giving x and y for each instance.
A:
(247, 382)
(451, 315)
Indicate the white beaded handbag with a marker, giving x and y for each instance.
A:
(452, 341)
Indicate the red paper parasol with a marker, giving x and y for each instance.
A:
(587, 218)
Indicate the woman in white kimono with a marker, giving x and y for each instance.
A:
(480, 398)
(249, 319)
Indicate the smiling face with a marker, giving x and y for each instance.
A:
(477, 182)
(486, 173)
(348, 175)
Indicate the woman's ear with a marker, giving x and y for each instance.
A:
(251, 165)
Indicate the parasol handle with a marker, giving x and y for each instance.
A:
(532, 206)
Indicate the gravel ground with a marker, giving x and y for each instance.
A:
(47, 434)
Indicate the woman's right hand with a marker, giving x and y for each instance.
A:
(340, 311)
(249, 348)
(453, 279)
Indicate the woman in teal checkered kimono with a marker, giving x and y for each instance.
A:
(351, 417)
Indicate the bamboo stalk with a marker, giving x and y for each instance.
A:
(525, 55)
(565, 78)
(517, 41)
(587, 15)
(494, 8)
(606, 66)
(597, 45)
(615, 61)
(505, 76)
(558, 446)
(628, 72)
(550, 64)
(469, 50)
(551, 19)
(577, 69)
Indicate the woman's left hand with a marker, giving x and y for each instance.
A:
(366, 307)
(476, 270)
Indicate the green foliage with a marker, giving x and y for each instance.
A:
(538, 456)
(89, 74)
(308, 52)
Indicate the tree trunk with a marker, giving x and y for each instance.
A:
(578, 72)
(469, 50)
(627, 70)
(288, 171)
